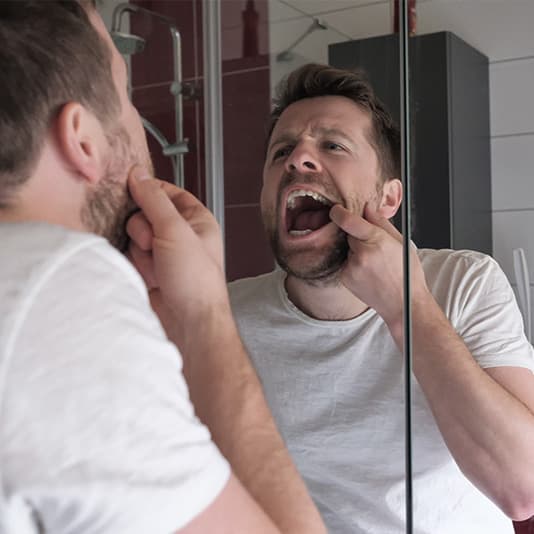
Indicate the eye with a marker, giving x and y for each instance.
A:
(333, 146)
(282, 152)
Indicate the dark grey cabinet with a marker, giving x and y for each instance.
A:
(450, 132)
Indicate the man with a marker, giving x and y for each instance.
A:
(326, 331)
(97, 432)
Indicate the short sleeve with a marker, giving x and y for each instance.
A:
(98, 434)
(489, 319)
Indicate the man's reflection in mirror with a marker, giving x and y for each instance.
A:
(326, 331)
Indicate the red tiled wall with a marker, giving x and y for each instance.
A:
(246, 103)
(524, 527)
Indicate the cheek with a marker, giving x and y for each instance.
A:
(132, 121)
(269, 193)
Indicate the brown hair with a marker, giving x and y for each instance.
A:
(313, 80)
(50, 54)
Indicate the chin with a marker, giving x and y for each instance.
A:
(316, 267)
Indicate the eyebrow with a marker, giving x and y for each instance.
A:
(320, 131)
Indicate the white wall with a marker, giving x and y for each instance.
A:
(501, 29)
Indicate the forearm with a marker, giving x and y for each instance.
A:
(227, 396)
(488, 431)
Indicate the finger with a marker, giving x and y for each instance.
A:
(189, 207)
(160, 212)
(192, 210)
(174, 213)
(198, 217)
(352, 223)
(144, 263)
(140, 231)
(373, 216)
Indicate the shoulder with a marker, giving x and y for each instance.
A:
(457, 269)
(71, 293)
(466, 282)
(36, 254)
(91, 381)
(452, 260)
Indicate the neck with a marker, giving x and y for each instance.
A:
(328, 301)
(50, 195)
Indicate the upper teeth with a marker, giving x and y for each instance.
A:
(304, 193)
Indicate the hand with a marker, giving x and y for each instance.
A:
(374, 267)
(176, 246)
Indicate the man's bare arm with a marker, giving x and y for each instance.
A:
(485, 416)
(177, 248)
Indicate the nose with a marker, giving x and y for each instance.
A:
(303, 159)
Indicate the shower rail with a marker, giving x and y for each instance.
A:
(128, 44)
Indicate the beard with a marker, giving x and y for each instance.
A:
(315, 266)
(109, 205)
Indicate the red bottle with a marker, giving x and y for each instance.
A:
(250, 30)
(412, 17)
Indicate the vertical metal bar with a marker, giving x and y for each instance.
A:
(176, 90)
(213, 109)
(406, 232)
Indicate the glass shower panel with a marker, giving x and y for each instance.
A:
(472, 128)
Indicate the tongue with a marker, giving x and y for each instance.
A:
(311, 220)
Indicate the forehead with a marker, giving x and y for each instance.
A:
(324, 112)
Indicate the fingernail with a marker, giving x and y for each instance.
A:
(140, 173)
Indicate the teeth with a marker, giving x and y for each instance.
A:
(304, 193)
(300, 232)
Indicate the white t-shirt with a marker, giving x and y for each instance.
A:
(336, 389)
(97, 432)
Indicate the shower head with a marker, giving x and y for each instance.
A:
(287, 55)
(127, 43)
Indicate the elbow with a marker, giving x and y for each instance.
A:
(518, 507)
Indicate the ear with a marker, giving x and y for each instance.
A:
(81, 141)
(391, 198)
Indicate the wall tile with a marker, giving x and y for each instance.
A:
(198, 37)
(281, 10)
(511, 90)
(247, 249)
(511, 230)
(360, 22)
(155, 64)
(514, 287)
(246, 104)
(524, 527)
(499, 29)
(512, 171)
(156, 104)
(313, 48)
(315, 7)
(233, 28)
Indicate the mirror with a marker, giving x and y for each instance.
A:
(486, 198)
(472, 65)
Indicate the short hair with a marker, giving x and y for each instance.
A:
(50, 54)
(313, 80)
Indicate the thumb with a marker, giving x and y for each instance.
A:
(352, 223)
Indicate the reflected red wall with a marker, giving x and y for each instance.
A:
(524, 527)
(246, 104)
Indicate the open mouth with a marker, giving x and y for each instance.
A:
(306, 212)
